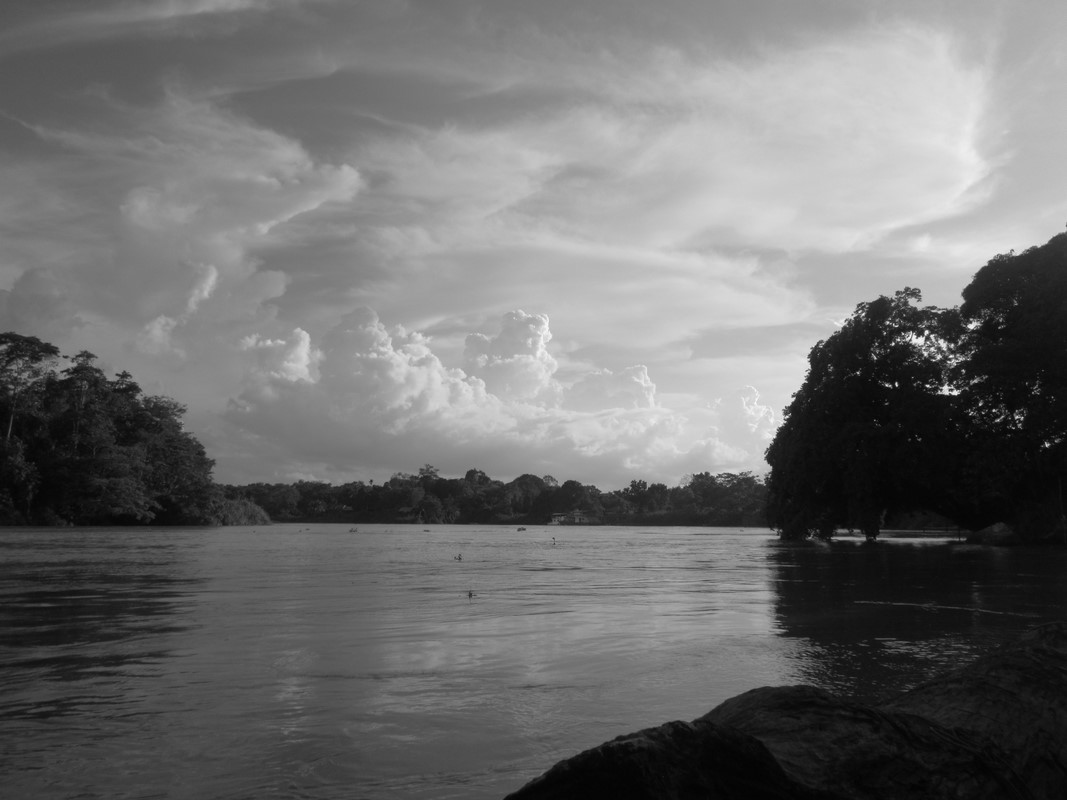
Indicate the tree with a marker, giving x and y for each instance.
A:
(428, 475)
(24, 361)
(84, 449)
(959, 411)
(523, 492)
(637, 494)
(1013, 379)
(658, 496)
(180, 478)
(429, 510)
(874, 400)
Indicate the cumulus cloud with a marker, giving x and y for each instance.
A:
(630, 388)
(515, 364)
(380, 395)
(394, 376)
(289, 360)
(744, 416)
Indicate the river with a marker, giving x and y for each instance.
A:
(322, 661)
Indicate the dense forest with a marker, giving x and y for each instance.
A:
(960, 411)
(80, 448)
(426, 497)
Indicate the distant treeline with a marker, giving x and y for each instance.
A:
(428, 498)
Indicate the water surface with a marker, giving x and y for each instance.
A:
(322, 662)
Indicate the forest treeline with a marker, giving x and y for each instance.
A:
(81, 448)
(426, 497)
(961, 411)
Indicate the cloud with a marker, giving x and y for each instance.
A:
(824, 146)
(289, 360)
(193, 189)
(117, 19)
(38, 305)
(745, 412)
(382, 399)
(649, 198)
(155, 338)
(630, 388)
(657, 185)
(515, 364)
(821, 141)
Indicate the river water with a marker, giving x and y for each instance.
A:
(297, 661)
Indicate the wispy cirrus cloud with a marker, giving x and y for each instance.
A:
(187, 190)
(118, 19)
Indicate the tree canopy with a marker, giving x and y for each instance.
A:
(81, 448)
(701, 499)
(962, 411)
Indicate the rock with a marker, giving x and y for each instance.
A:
(677, 760)
(992, 729)
(1015, 698)
(857, 751)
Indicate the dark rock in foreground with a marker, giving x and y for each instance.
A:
(996, 728)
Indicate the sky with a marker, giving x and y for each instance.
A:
(594, 239)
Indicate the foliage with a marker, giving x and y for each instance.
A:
(1013, 379)
(241, 512)
(82, 449)
(24, 361)
(959, 411)
(428, 498)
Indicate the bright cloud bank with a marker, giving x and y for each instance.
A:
(368, 396)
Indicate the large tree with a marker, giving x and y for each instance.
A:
(1013, 377)
(961, 411)
(873, 400)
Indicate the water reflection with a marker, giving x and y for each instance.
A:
(869, 619)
